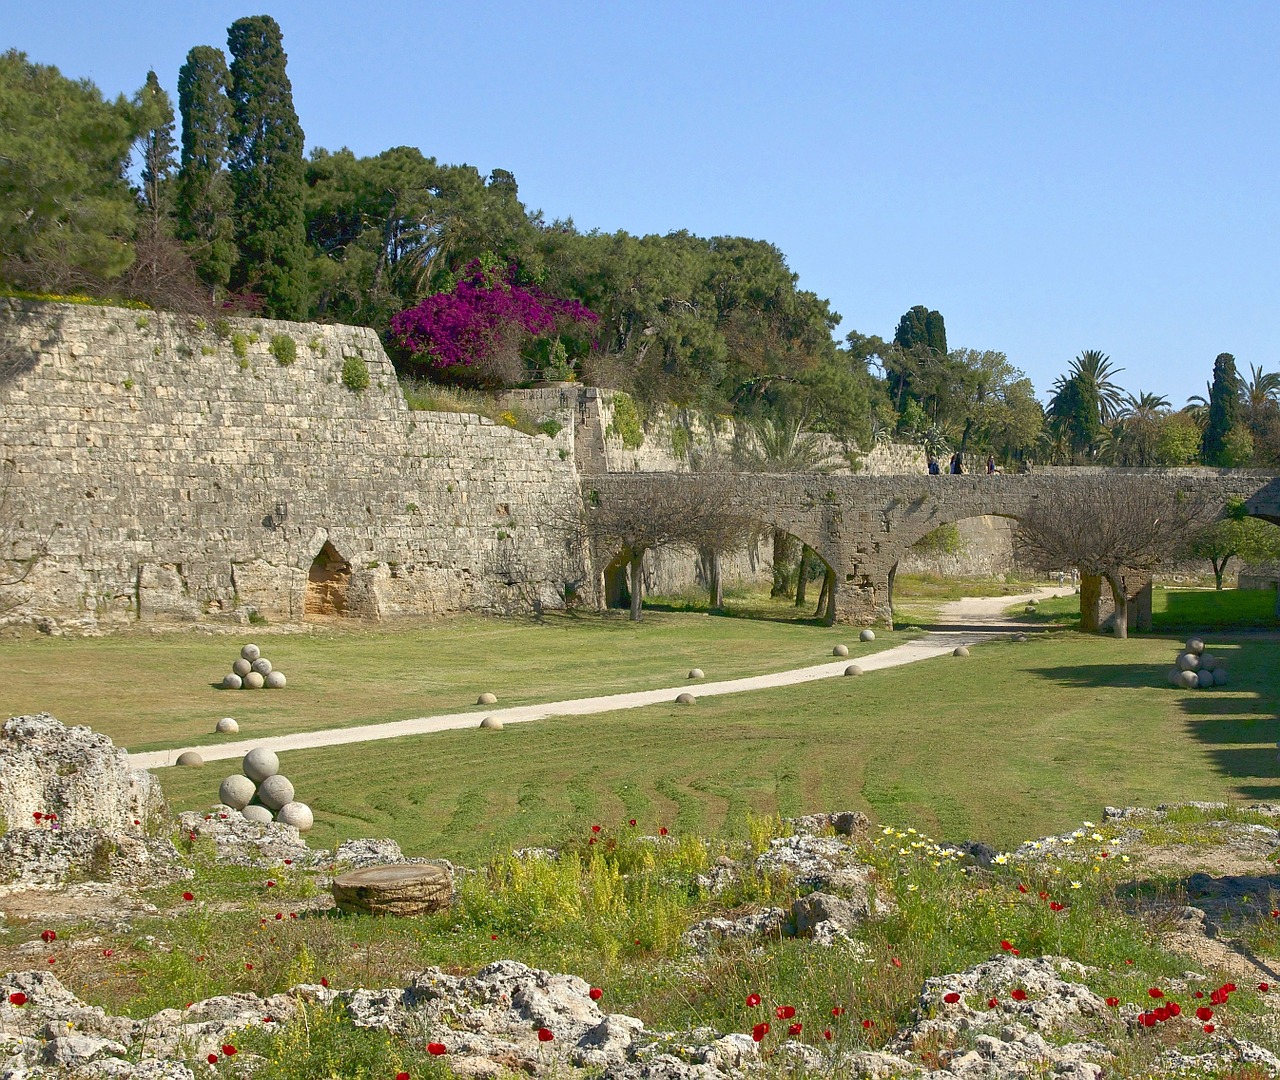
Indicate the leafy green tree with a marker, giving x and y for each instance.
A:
(1177, 440)
(1136, 432)
(1236, 536)
(67, 215)
(155, 149)
(267, 170)
(204, 202)
(916, 364)
(1218, 447)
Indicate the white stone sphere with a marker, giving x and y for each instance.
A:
(190, 757)
(1204, 678)
(686, 699)
(491, 723)
(1220, 676)
(1208, 661)
(231, 681)
(236, 791)
(227, 726)
(1189, 661)
(241, 667)
(695, 673)
(959, 650)
(275, 791)
(853, 669)
(254, 812)
(486, 699)
(840, 650)
(274, 681)
(1195, 645)
(250, 653)
(1018, 637)
(1189, 680)
(262, 666)
(867, 635)
(297, 814)
(259, 763)
(253, 681)
(1175, 676)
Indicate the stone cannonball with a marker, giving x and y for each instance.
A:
(1204, 678)
(1195, 645)
(1189, 680)
(253, 681)
(231, 681)
(275, 791)
(236, 791)
(190, 757)
(959, 650)
(486, 699)
(867, 635)
(1220, 676)
(274, 681)
(259, 763)
(297, 814)
(840, 650)
(686, 699)
(1018, 637)
(1175, 676)
(262, 666)
(254, 812)
(242, 667)
(1188, 661)
(695, 673)
(853, 669)
(227, 726)
(250, 653)
(491, 723)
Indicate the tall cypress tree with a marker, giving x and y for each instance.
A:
(267, 172)
(1224, 412)
(156, 149)
(204, 200)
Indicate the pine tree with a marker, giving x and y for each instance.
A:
(267, 171)
(156, 149)
(1217, 446)
(204, 200)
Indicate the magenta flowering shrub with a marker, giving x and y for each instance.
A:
(486, 314)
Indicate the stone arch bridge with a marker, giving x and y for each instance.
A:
(862, 525)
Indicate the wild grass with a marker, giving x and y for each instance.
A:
(1177, 610)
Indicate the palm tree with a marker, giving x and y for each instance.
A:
(1262, 388)
(1136, 431)
(1197, 406)
(1093, 368)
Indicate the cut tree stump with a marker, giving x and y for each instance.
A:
(393, 889)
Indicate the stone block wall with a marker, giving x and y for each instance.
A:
(177, 469)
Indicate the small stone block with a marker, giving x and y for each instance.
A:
(393, 889)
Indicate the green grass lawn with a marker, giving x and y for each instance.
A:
(1176, 610)
(156, 691)
(1018, 740)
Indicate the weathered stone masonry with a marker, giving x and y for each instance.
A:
(177, 471)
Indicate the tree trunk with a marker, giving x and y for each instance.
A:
(1090, 593)
(829, 584)
(717, 581)
(802, 576)
(782, 547)
(637, 584)
(1218, 569)
(1119, 621)
(822, 595)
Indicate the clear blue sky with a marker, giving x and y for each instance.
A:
(1051, 177)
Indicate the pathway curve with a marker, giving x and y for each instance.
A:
(976, 620)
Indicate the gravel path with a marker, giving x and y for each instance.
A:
(975, 619)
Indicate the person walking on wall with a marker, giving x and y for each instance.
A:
(991, 464)
(934, 470)
(957, 463)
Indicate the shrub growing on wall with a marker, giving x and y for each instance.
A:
(355, 374)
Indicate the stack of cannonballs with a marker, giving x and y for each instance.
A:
(253, 671)
(1197, 668)
(260, 793)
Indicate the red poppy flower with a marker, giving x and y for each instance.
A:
(1044, 896)
(784, 1012)
(51, 817)
(288, 862)
(1006, 945)
(632, 823)
(1229, 987)
(1275, 913)
(1055, 906)
(662, 831)
(1147, 1019)
(1104, 854)
(1162, 1013)
(1018, 995)
(1218, 997)
(48, 935)
(212, 1059)
(1113, 1001)
(760, 1031)
(1156, 992)
(270, 884)
(53, 959)
(436, 1049)
(293, 914)
(1199, 994)
(279, 914)
(1014, 952)
(992, 1002)
(753, 1000)
(1264, 987)
(838, 1010)
(895, 961)
(228, 1049)
(1204, 1013)
(595, 828)
(36, 814)
(201, 959)
(795, 1029)
(1174, 1008)
(595, 993)
(951, 998)
(1021, 888)
(868, 1024)
(1209, 1029)
(248, 967)
(18, 998)
(545, 1035)
(592, 840)
(108, 952)
(402, 1076)
(268, 1019)
(324, 980)
(827, 1035)
(188, 896)
(1128, 961)
(493, 937)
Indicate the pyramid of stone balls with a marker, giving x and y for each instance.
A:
(261, 794)
(1197, 668)
(253, 671)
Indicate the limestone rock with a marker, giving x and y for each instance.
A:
(816, 908)
(395, 889)
(708, 933)
(368, 852)
(259, 763)
(1195, 646)
(1220, 676)
(262, 666)
(247, 843)
(1204, 679)
(1189, 679)
(1188, 661)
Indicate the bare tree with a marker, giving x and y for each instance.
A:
(1104, 526)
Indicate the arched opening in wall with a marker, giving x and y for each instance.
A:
(327, 583)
